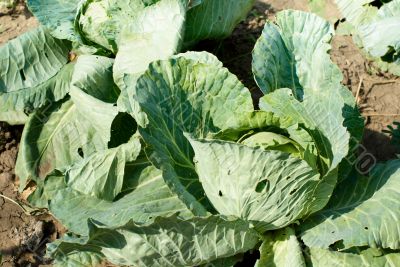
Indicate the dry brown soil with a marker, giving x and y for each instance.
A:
(23, 237)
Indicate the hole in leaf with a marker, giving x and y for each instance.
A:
(379, 3)
(46, 55)
(366, 228)
(249, 258)
(122, 129)
(21, 72)
(220, 193)
(338, 245)
(293, 191)
(80, 152)
(260, 186)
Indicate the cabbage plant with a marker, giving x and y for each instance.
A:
(180, 169)
(376, 30)
(39, 67)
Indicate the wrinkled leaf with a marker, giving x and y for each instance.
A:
(33, 71)
(363, 211)
(174, 242)
(215, 19)
(102, 174)
(271, 189)
(281, 249)
(147, 198)
(367, 258)
(182, 95)
(56, 15)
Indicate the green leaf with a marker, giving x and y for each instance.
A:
(367, 258)
(56, 15)
(362, 212)
(281, 249)
(174, 242)
(321, 116)
(181, 95)
(93, 75)
(155, 33)
(56, 136)
(102, 174)
(127, 100)
(138, 32)
(215, 19)
(78, 259)
(55, 133)
(270, 189)
(295, 54)
(47, 189)
(147, 198)
(357, 11)
(13, 117)
(33, 71)
(71, 251)
(272, 141)
(100, 22)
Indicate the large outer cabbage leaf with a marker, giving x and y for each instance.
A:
(366, 258)
(363, 211)
(72, 251)
(34, 70)
(270, 189)
(56, 15)
(294, 54)
(281, 249)
(13, 117)
(215, 19)
(127, 100)
(54, 138)
(182, 95)
(102, 174)
(174, 242)
(56, 134)
(148, 198)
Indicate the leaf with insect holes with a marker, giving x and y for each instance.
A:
(170, 241)
(274, 189)
(185, 95)
(362, 212)
(355, 257)
(144, 198)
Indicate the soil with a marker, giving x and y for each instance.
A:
(15, 21)
(23, 237)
